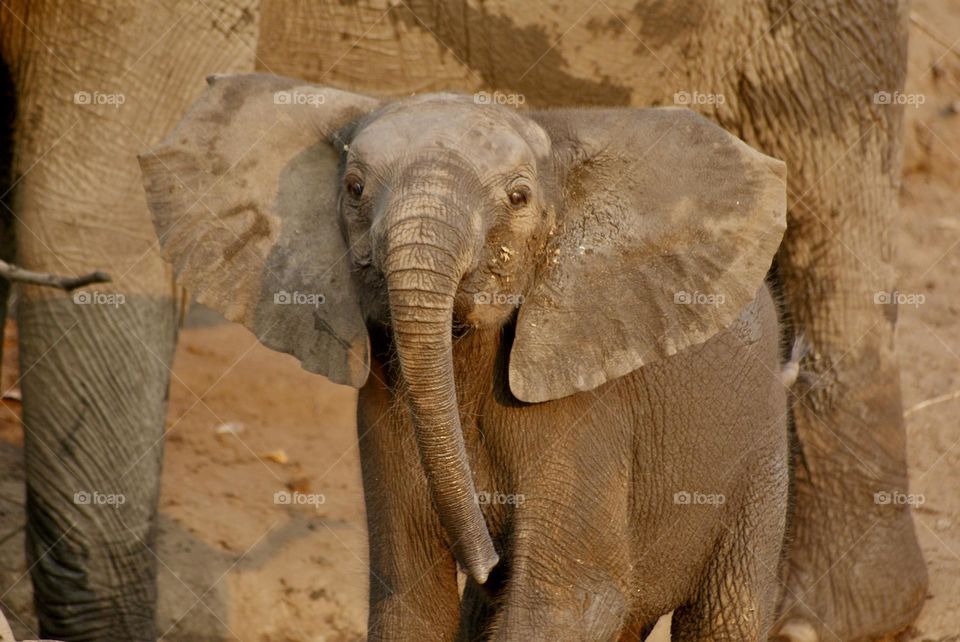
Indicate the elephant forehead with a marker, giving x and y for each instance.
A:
(489, 145)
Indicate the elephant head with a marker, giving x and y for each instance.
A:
(310, 214)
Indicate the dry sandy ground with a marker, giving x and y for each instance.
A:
(235, 565)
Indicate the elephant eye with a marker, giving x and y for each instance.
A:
(518, 197)
(354, 186)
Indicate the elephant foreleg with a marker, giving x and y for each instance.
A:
(413, 585)
(94, 388)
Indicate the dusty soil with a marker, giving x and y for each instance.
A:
(236, 565)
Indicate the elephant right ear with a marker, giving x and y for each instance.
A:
(243, 195)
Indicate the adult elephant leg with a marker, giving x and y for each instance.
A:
(94, 402)
(814, 96)
(97, 83)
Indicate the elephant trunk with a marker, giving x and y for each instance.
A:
(422, 274)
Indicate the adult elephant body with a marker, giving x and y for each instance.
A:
(800, 81)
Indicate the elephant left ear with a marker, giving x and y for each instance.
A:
(666, 228)
(243, 194)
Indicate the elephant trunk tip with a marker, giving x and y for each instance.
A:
(480, 562)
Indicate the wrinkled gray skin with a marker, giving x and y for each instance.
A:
(445, 215)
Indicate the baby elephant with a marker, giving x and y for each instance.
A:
(567, 358)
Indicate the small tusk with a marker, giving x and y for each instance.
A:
(795, 630)
(790, 371)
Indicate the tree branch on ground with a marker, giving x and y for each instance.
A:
(18, 274)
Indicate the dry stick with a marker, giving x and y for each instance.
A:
(14, 273)
(932, 402)
(926, 28)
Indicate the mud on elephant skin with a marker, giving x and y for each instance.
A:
(444, 257)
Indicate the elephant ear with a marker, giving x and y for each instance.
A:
(666, 227)
(243, 195)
